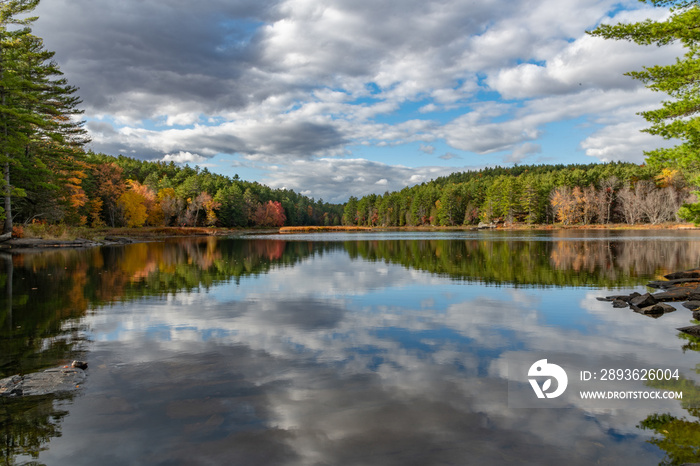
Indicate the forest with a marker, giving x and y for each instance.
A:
(98, 190)
(532, 194)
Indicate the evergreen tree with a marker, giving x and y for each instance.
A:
(37, 106)
(677, 118)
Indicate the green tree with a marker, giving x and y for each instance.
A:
(350, 212)
(37, 106)
(677, 118)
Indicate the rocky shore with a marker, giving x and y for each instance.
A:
(18, 244)
(48, 382)
(678, 286)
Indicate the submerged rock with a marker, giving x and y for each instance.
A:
(48, 382)
(620, 297)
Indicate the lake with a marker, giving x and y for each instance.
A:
(390, 348)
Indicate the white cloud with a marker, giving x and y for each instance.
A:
(449, 156)
(335, 179)
(427, 148)
(523, 151)
(184, 157)
(276, 81)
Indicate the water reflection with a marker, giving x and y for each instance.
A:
(678, 437)
(27, 426)
(561, 258)
(292, 352)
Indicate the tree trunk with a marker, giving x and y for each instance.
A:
(8, 190)
(8, 200)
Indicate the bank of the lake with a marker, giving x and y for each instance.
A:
(78, 237)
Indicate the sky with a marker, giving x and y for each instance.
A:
(333, 98)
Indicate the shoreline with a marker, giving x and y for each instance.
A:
(85, 238)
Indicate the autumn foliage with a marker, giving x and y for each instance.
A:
(270, 214)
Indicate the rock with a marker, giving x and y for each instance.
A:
(672, 283)
(619, 303)
(643, 301)
(483, 225)
(656, 309)
(48, 382)
(692, 273)
(692, 305)
(622, 297)
(696, 315)
(10, 386)
(693, 330)
(674, 294)
(79, 364)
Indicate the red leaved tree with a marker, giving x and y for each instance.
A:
(270, 214)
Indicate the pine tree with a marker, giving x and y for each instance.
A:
(677, 118)
(37, 106)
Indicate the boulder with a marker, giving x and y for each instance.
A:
(50, 381)
(692, 305)
(643, 301)
(693, 330)
(674, 294)
(619, 303)
(696, 315)
(656, 309)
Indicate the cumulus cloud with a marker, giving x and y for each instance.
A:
(449, 156)
(278, 81)
(523, 151)
(333, 179)
(427, 148)
(184, 157)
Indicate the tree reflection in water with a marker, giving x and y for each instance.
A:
(678, 437)
(46, 294)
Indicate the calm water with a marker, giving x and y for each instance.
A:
(346, 349)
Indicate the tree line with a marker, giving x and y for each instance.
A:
(536, 194)
(120, 191)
